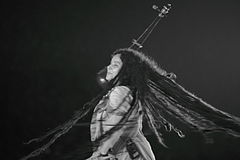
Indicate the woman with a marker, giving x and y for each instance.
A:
(135, 87)
(117, 109)
(138, 87)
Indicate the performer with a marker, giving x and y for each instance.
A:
(136, 88)
(117, 119)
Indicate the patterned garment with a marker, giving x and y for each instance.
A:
(126, 143)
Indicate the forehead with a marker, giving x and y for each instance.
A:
(116, 59)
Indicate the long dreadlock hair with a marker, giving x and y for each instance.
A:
(165, 103)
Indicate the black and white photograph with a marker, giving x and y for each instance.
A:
(121, 80)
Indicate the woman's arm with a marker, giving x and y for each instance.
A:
(119, 103)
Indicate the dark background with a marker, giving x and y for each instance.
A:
(52, 51)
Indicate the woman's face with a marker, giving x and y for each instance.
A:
(114, 67)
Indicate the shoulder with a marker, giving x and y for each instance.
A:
(119, 94)
(120, 90)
